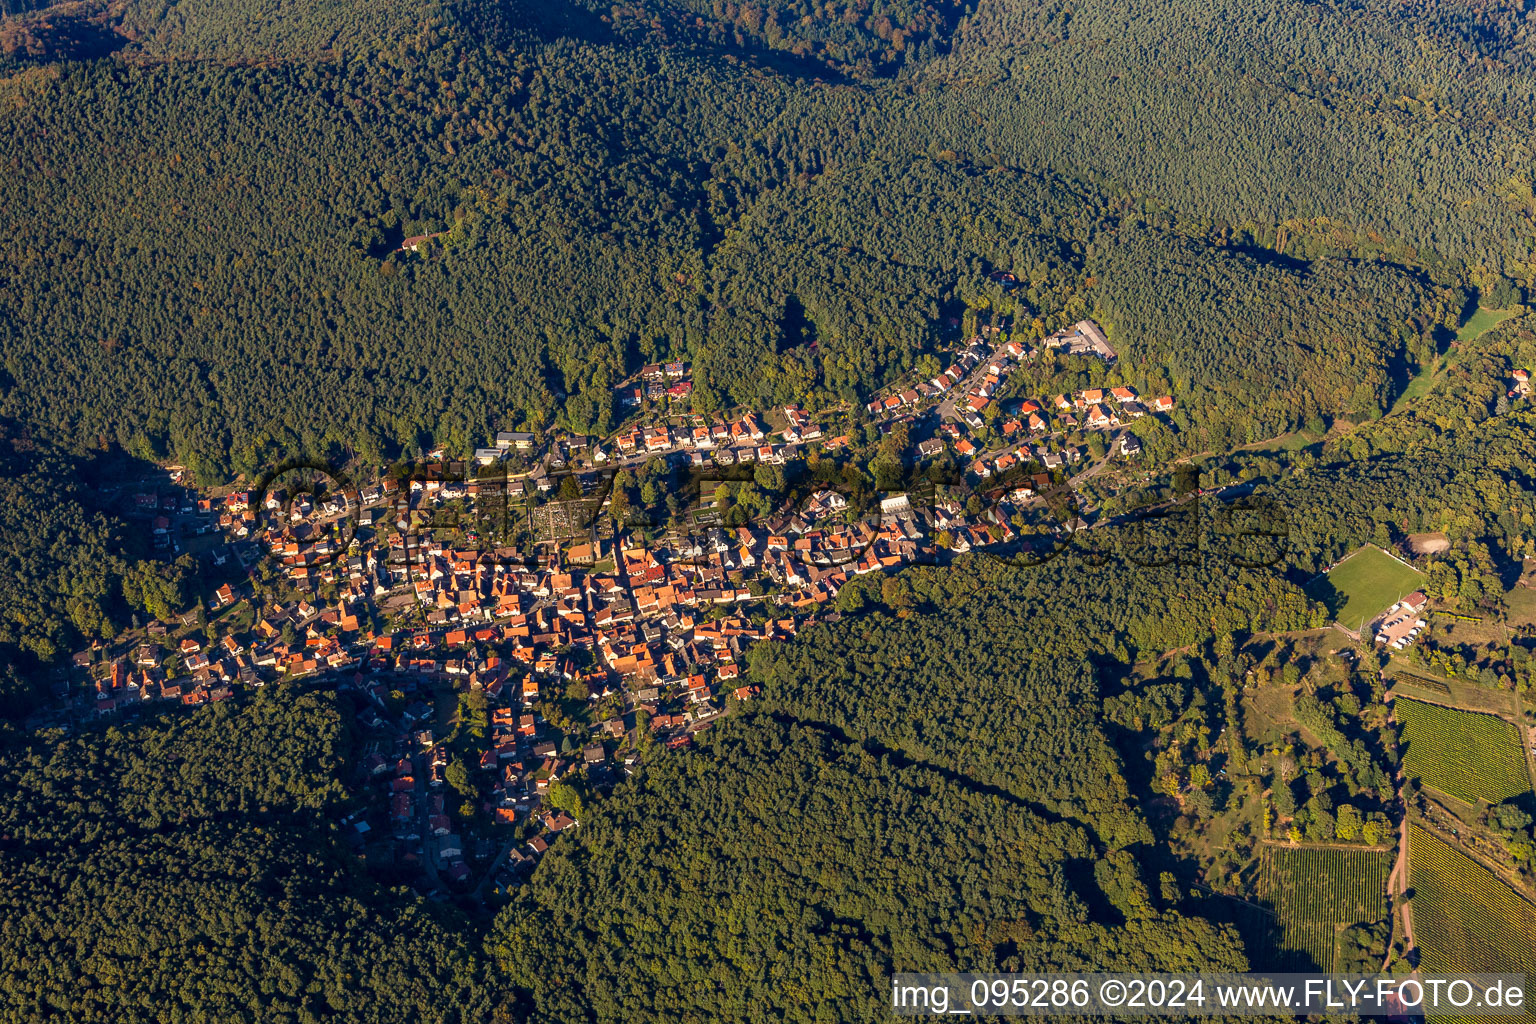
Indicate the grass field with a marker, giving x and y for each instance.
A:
(1364, 585)
(1292, 442)
(1481, 322)
(1462, 753)
(1464, 918)
(1520, 603)
(1315, 893)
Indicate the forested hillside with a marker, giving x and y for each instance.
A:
(70, 572)
(180, 870)
(785, 872)
(1369, 116)
(990, 670)
(1261, 344)
(203, 262)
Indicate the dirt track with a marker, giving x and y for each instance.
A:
(1397, 884)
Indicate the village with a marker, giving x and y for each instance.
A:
(496, 694)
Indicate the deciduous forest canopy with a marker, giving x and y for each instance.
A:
(183, 870)
(202, 224)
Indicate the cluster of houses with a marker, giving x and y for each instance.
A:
(1019, 455)
(655, 382)
(652, 637)
(722, 441)
(799, 425)
(1105, 408)
(979, 374)
(982, 371)
(411, 828)
(507, 441)
(979, 371)
(211, 673)
(1095, 409)
(974, 354)
(1400, 625)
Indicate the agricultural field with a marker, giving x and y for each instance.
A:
(1416, 681)
(1407, 677)
(1464, 918)
(1364, 585)
(1462, 754)
(1315, 893)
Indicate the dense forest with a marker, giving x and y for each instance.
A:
(1262, 344)
(205, 258)
(967, 665)
(784, 871)
(182, 869)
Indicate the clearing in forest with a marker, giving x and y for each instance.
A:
(1481, 322)
(1364, 585)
